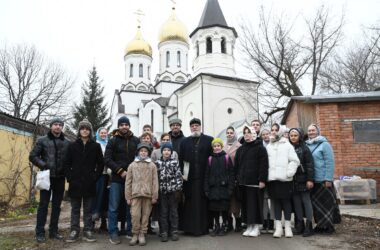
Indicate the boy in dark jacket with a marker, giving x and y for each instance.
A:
(83, 166)
(170, 181)
(219, 185)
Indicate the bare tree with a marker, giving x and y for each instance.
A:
(282, 61)
(30, 85)
(356, 69)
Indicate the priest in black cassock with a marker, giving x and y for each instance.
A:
(193, 158)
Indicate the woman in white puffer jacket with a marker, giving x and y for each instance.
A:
(283, 163)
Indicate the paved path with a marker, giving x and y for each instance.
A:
(228, 242)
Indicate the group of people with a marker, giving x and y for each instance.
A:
(196, 184)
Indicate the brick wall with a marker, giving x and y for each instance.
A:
(335, 120)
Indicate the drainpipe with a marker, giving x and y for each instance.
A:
(203, 121)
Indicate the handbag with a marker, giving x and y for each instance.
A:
(43, 180)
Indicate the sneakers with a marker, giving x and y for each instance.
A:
(134, 240)
(89, 236)
(128, 235)
(248, 230)
(55, 236)
(40, 238)
(279, 230)
(114, 239)
(255, 231)
(74, 235)
(142, 241)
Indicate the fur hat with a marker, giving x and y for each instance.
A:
(217, 140)
(167, 145)
(175, 121)
(123, 119)
(195, 121)
(144, 145)
(56, 120)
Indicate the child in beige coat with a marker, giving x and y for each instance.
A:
(141, 191)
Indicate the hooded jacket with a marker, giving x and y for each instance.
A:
(323, 157)
(120, 152)
(169, 175)
(49, 153)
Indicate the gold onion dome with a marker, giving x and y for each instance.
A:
(173, 29)
(138, 45)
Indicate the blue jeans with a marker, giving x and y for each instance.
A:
(101, 189)
(116, 196)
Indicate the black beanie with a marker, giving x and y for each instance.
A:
(123, 119)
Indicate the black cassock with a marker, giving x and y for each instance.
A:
(195, 151)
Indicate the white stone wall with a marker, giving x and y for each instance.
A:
(216, 62)
(173, 47)
(145, 117)
(136, 60)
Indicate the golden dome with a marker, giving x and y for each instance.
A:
(138, 45)
(173, 29)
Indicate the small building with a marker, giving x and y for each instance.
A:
(350, 122)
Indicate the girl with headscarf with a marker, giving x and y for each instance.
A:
(283, 163)
(322, 194)
(100, 204)
(303, 183)
(230, 147)
(251, 163)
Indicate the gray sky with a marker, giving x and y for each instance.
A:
(77, 33)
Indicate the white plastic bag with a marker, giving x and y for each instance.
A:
(43, 180)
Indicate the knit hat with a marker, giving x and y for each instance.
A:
(195, 121)
(123, 119)
(56, 120)
(217, 140)
(167, 145)
(144, 145)
(175, 121)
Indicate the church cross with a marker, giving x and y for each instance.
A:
(139, 14)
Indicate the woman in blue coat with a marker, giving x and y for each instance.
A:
(322, 195)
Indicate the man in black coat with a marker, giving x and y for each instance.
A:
(83, 166)
(193, 157)
(48, 153)
(120, 152)
(176, 134)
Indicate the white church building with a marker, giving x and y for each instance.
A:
(208, 88)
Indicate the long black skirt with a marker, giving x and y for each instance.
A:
(195, 213)
(252, 205)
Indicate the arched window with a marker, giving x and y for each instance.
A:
(141, 74)
(131, 70)
(223, 45)
(178, 59)
(149, 72)
(208, 45)
(197, 48)
(167, 59)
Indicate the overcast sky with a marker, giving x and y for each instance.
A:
(79, 33)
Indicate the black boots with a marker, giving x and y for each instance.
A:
(308, 229)
(299, 227)
(216, 230)
(238, 226)
(230, 225)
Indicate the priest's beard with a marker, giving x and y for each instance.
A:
(196, 134)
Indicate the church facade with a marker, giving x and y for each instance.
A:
(210, 91)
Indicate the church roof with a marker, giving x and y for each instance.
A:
(162, 101)
(212, 16)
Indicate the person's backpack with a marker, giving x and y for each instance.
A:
(225, 158)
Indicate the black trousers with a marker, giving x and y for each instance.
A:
(168, 213)
(76, 204)
(57, 188)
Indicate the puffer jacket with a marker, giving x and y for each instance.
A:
(169, 175)
(120, 152)
(323, 157)
(305, 171)
(283, 160)
(219, 177)
(49, 153)
(142, 180)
